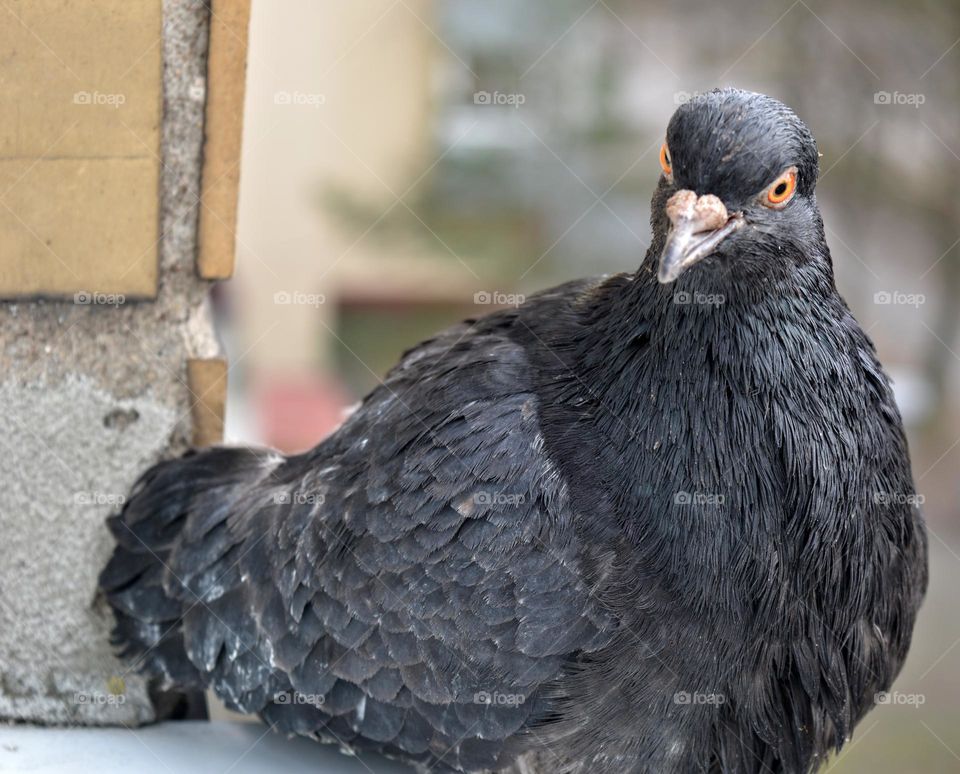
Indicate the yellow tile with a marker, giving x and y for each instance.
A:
(78, 225)
(80, 85)
(226, 71)
(207, 380)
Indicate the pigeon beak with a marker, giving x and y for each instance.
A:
(698, 225)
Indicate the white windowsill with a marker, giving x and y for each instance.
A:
(182, 747)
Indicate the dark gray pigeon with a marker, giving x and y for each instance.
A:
(654, 522)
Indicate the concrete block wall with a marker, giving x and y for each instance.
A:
(91, 394)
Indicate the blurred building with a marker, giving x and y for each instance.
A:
(402, 156)
(308, 132)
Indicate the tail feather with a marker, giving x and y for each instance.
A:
(173, 505)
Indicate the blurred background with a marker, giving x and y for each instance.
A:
(408, 163)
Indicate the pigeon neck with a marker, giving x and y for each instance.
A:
(641, 340)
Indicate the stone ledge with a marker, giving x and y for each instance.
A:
(186, 747)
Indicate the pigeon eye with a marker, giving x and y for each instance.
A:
(665, 163)
(781, 190)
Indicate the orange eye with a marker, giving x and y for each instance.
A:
(781, 190)
(665, 163)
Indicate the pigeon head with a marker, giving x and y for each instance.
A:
(736, 194)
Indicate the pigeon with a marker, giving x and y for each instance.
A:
(660, 521)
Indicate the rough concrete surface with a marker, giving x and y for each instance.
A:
(89, 396)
